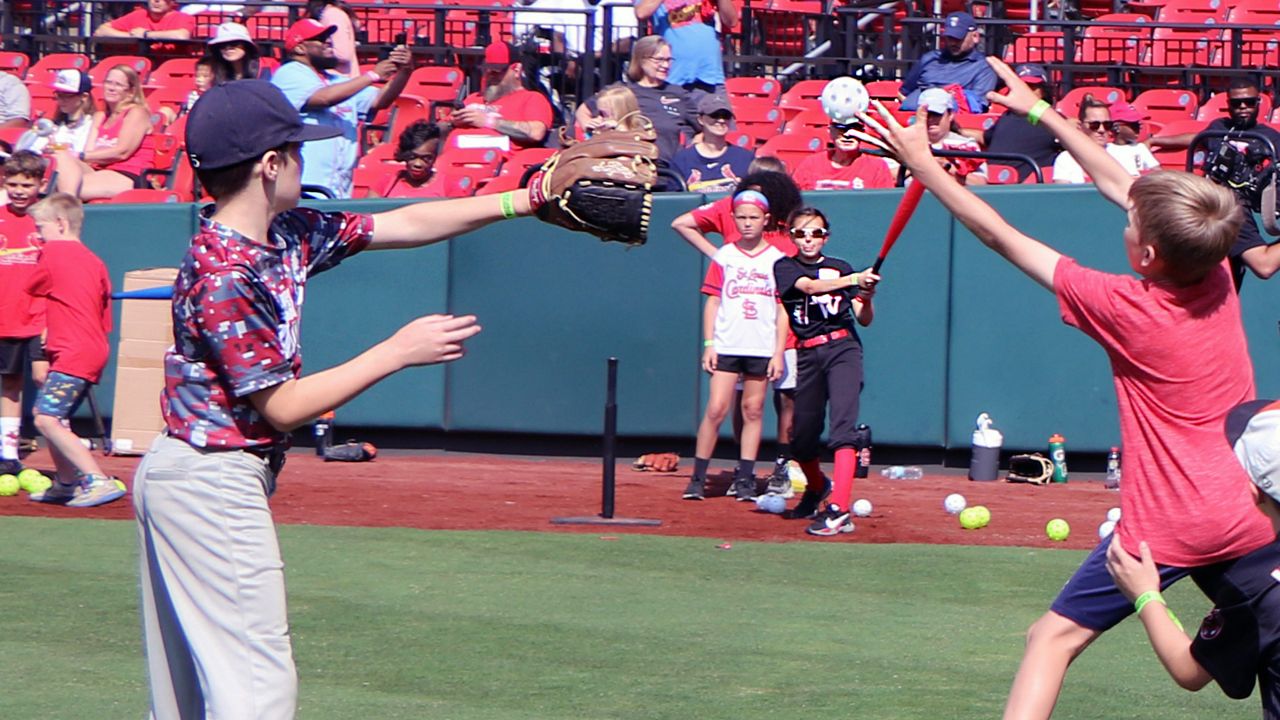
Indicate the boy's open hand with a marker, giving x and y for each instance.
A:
(433, 339)
(910, 144)
(1020, 97)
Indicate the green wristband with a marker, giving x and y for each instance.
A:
(507, 201)
(708, 343)
(1146, 597)
(1037, 110)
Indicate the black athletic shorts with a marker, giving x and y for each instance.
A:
(743, 365)
(16, 352)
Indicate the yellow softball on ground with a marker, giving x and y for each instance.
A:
(1057, 529)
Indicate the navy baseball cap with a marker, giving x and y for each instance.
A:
(240, 121)
(958, 24)
(1253, 430)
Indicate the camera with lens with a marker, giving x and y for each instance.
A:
(1243, 167)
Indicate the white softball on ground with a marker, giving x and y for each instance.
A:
(862, 507)
(1105, 529)
(954, 503)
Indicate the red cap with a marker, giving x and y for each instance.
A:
(1127, 113)
(304, 30)
(497, 53)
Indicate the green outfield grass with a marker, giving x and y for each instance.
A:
(393, 623)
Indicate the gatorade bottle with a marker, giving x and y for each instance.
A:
(323, 431)
(1058, 455)
(863, 435)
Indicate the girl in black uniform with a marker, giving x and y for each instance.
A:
(823, 298)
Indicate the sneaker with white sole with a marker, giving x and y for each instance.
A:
(831, 521)
(96, 490)
(780, 482)
(696, 489)
(56, 494)
(810, 501)
(744, 488)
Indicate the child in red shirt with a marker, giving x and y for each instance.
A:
(1184, 496)
(77, 290)
(21, 316)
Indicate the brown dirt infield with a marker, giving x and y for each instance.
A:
(463, 491)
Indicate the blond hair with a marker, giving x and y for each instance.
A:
(623, 107)
(644, 48)
(1191, 222)
(134, 95)
(60, 206)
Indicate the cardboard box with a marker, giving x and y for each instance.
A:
(146, 332)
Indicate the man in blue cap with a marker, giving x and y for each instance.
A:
(960, 61)
(213, 596)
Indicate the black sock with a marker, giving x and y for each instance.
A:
(784, 453)
(700, 467)
(746, 468)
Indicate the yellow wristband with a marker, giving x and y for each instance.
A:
(1036, 111)
(507, 201)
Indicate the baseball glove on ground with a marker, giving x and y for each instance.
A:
(350, 451)
(603, 185)
(657, 462)
(1034, 468)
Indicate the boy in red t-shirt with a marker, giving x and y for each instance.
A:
(844, 166)
(21, 316)
(1185, 495)
(77, 291)
(159, 20)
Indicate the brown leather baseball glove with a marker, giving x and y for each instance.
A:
(657, 462)
(1034, 468)
(602, 185)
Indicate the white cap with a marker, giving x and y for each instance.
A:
(72, 81)
(1253, 429)
(231, 32)
(937, 100)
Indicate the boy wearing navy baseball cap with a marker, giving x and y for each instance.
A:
(1236, 643)
(213, 593)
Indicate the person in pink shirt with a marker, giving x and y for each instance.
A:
(844, 166)
(160, 19)
(418, 148)
(120, 148)
(1184, 494)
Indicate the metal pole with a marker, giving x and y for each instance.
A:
(610, 438)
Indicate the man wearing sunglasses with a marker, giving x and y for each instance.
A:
(1243, 103)
(843, 166)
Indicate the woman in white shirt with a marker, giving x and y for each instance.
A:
(69, 127)
(1097, 122)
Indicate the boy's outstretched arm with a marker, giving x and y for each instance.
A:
(424, 223)
(911, 145)
(1111, 179)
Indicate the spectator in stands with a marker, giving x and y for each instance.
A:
(201, 80)
(339, 15)
(158, 20)
(1126, 127)
(1097, 121)
(326, 97)
(618, 110)
(418, 147)
(667, 105)
(688, 26)
(1011, 132)
(711, 164)
(15, 102)
(960, 62)
(1243, 100)
(73, 92)
(944, 135)
(506, 108)
(233, 55)
(119, 149)
(843, 166)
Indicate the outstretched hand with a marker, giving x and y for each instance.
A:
(1020, 97)
(433, 339)
(911, 143)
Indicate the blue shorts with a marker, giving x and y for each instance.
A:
(60, 395)
(1092, 600)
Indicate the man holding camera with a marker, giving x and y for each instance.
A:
(1245, 165)
(325, 97)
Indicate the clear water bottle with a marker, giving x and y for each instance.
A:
(899, 472)
(1113, 469)
(323, 432)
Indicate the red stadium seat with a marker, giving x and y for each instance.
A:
(145, 196)
(1044, 48)
(1069, 105)
(1194, 11)
(11, 135)
(1114, 44)
(43, 106)
(793, 148)
(207, 22)
(1257, 48)
(172, 97)
(976, 121)
(14, 63)
(804, 91)
(1166, 105)
(1176, 159)
(753, 87)
(435, 83)
(885, 90)
(813, 119)
(1003, 174)
(1180, 48)
(1216, 107)
(405, 110)
(382, 154)
(741, 139)
(175, 72)
(514, 168)
(140, 65)
(479, 164)
(267, 26)
(44, 68)
(759, 120)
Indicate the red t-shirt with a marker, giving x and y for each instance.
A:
(1180, 362)
(21, 316)
(717, 217)
(521, 106)
(75, 284)
(864, 173)
(169, 21)
(439, 186)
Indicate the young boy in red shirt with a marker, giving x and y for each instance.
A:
(21, 316)
(1185, 495)
(77, 291)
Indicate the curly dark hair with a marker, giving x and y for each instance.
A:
(778, 188)
(411, 137)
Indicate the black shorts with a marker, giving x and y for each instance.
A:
(743, 365)
(15, 353)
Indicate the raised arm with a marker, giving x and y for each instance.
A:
(1112, 180)
(646, 8)
(395, 70)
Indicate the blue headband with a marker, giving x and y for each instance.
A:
(751, 197)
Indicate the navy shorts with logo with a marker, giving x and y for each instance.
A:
(1092, 600)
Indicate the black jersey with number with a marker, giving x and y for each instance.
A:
(814, 315)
